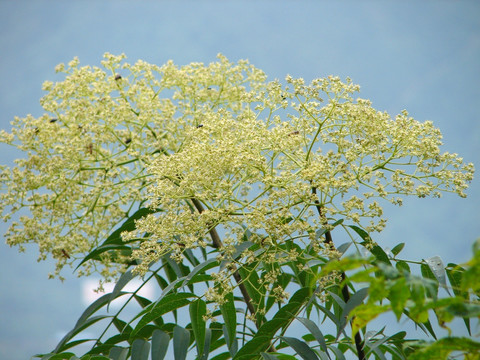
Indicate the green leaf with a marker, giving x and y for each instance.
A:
(140, 349)
(253, 347)
(436, 265)
(239, 249)
(338, 353)
(124, 280)
(344, 247)
(403, 267)
(300, 347)
(77, 329)
(94, 255)
(116, 339)
(230, 317)
(387, 271)
(222, 356)
(380, 255)
(425, 326)
(165, 305)
(201, 268)
(365, 313)
(443, 347)
(146, 331)
(337, 299)
(74, 343)
(431, 286)
(114, 241)
(198, 310)
(362, 233)
(181, 340)
(121, 326)
(92, 308)
(143, 302)
(252, 283)
(191, 257)
(206, 347)
(329, 314)
(129, 225)
(355, 300)
(173, 269)
(159, 344)
(62, 356)
(196, 274)
(268, 356)
(377, 251)
(345, 264)
(455, 274)
(398, 295)
(315, 331)
(118, 353)
(396, 250)
(261, 341)
(278, 356)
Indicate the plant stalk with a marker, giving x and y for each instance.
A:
(345, 291)
(217, 243)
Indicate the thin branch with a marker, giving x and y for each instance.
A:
(345, 290)
(217, 243)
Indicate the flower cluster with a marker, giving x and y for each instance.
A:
(215, 148)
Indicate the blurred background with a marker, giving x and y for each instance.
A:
(422, 56)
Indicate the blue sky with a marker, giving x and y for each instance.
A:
(421, 56)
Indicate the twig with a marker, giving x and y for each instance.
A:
(217, 243)
(345, 291)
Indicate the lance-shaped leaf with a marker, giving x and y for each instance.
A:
(197, 274)
(160, 342)
(181, 340)
(455, 274)
(251, 281)
(140, 349)
(436, 265)
(198, 310)
(90, 321)
(267, 356)
(300, 347)
(114, 241)
(396, 250)
(261, 341)
(230, 318)
(315, 331)
(354, 301)
(399, 293)
(83, 322)
(443, 347)
(166, 304)
(430, 281)
(239, 249)
(344, 247)
(206, 347)
(124, 280)
(118, 353)
(338, 353)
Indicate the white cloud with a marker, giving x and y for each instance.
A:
(89, 293)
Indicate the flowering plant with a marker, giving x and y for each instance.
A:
(226, 189)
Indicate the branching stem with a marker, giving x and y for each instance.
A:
(345, 292)
(217, 243)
